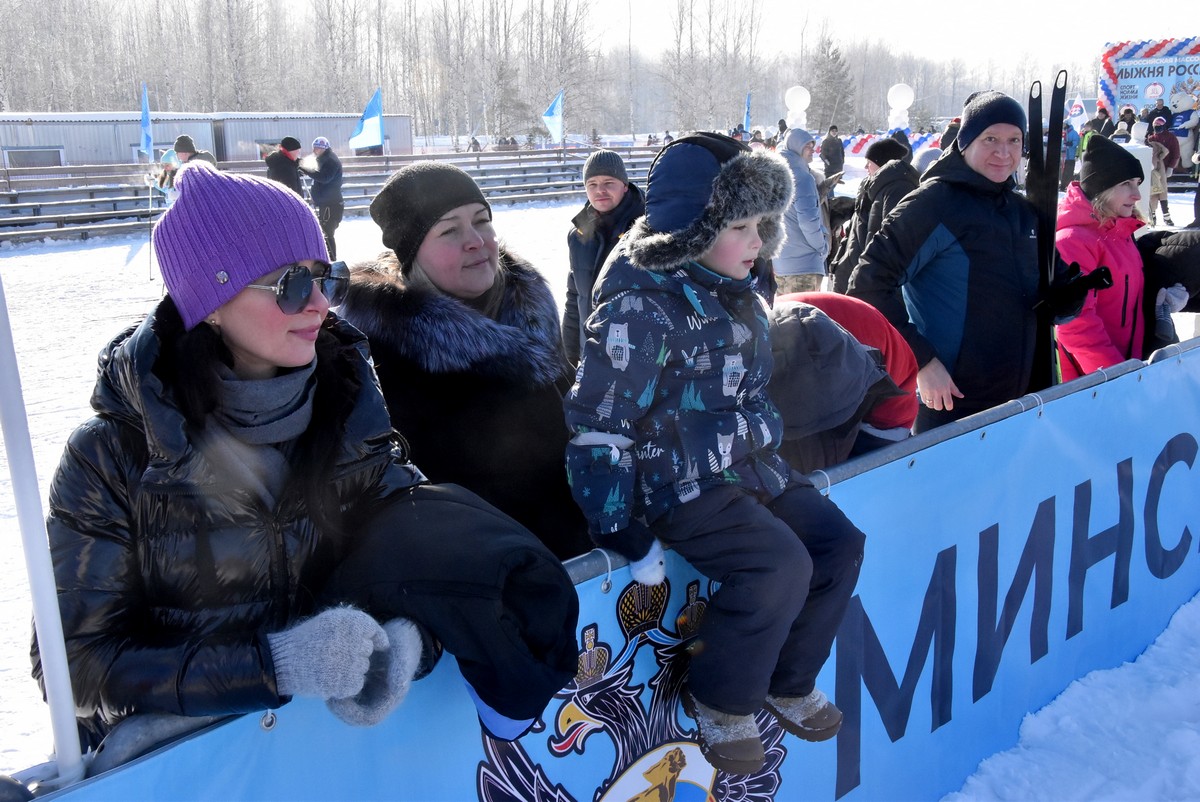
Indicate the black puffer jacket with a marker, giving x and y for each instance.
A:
(478, 400)
(169, 576)
(877, 196)
(954, 268)
(284, 169)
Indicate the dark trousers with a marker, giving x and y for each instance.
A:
(330, 217)
(787, 569)
(1068, 174)
(482, 584)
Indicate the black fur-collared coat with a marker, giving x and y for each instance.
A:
(478, 400)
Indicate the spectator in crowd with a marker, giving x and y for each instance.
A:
(1102, 123)
(954, 268)
(889, 179)
(1162, 133)
(833, 155)
(899, 136)
(186, 150)
(1129, 117)
(612, 206)
(466, 343)
(325, 170)
(675, 445)
(1070, 148)
(1159, 109)
(800, 265)
(1095, 226)
(283, 164)
(240, 460)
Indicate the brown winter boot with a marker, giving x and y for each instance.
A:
(812, 717)
(728, 742)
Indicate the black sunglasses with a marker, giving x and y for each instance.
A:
(294, 287)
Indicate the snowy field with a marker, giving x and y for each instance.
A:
(1131, 733)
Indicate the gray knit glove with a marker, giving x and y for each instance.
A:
(388, 680)
(328, 655)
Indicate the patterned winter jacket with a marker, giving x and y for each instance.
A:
(670, 397)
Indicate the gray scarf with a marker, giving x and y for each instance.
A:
(256, 426)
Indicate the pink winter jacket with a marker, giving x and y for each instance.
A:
(1110, 327)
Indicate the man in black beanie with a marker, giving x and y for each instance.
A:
(283, 165)
(186, 150)
(955, 269)
(612, 206)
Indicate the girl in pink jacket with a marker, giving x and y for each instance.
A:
(1096, 221)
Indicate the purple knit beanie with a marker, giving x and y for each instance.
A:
(224, 231)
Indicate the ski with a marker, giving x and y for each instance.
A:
(1041, 188)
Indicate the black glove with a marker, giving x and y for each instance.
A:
(1066, 295)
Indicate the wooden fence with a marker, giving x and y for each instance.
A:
(89, 200)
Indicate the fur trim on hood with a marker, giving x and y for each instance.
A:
(697, 186)
(442, 334)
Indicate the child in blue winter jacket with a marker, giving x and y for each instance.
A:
(675, 444)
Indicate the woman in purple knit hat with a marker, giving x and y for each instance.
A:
(239, 452)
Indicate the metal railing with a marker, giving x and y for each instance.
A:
(81, 201)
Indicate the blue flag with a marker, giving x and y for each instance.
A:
(746, 121)
(553, 118)
(369, 132)
(147, 145)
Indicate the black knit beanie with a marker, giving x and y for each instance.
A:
(985, 109)
(1106, 164)
(882, 151)
(414, 199)
(289, 143)
(184, 144)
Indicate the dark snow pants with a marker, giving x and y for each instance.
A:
(787, 569)
(484, 586)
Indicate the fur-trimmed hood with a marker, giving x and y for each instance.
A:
(442, 334)
(697, 186)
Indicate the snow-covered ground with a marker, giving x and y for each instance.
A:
(1131, 733)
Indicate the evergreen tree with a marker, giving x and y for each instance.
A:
(832, 88)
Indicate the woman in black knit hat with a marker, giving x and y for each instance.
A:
(467, 345)
(1095, 226)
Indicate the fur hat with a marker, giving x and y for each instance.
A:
(985, 109)
(605, 162)
(224, 231)
(699, 184)
(882, 151)
(289, 143)
(184, 144)
(1106, 164)
(414, 199)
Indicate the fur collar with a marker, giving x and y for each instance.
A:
(442, 334)
(749, 184)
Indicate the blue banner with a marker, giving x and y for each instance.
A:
(147, 145)
(553, 118)
(369, 131)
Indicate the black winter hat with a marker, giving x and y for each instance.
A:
(882, 151)
(985, 109)
(605, 162)
(699, 184)
(289, 143)
(184, 144)
(414, 199)
(1106, 164)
